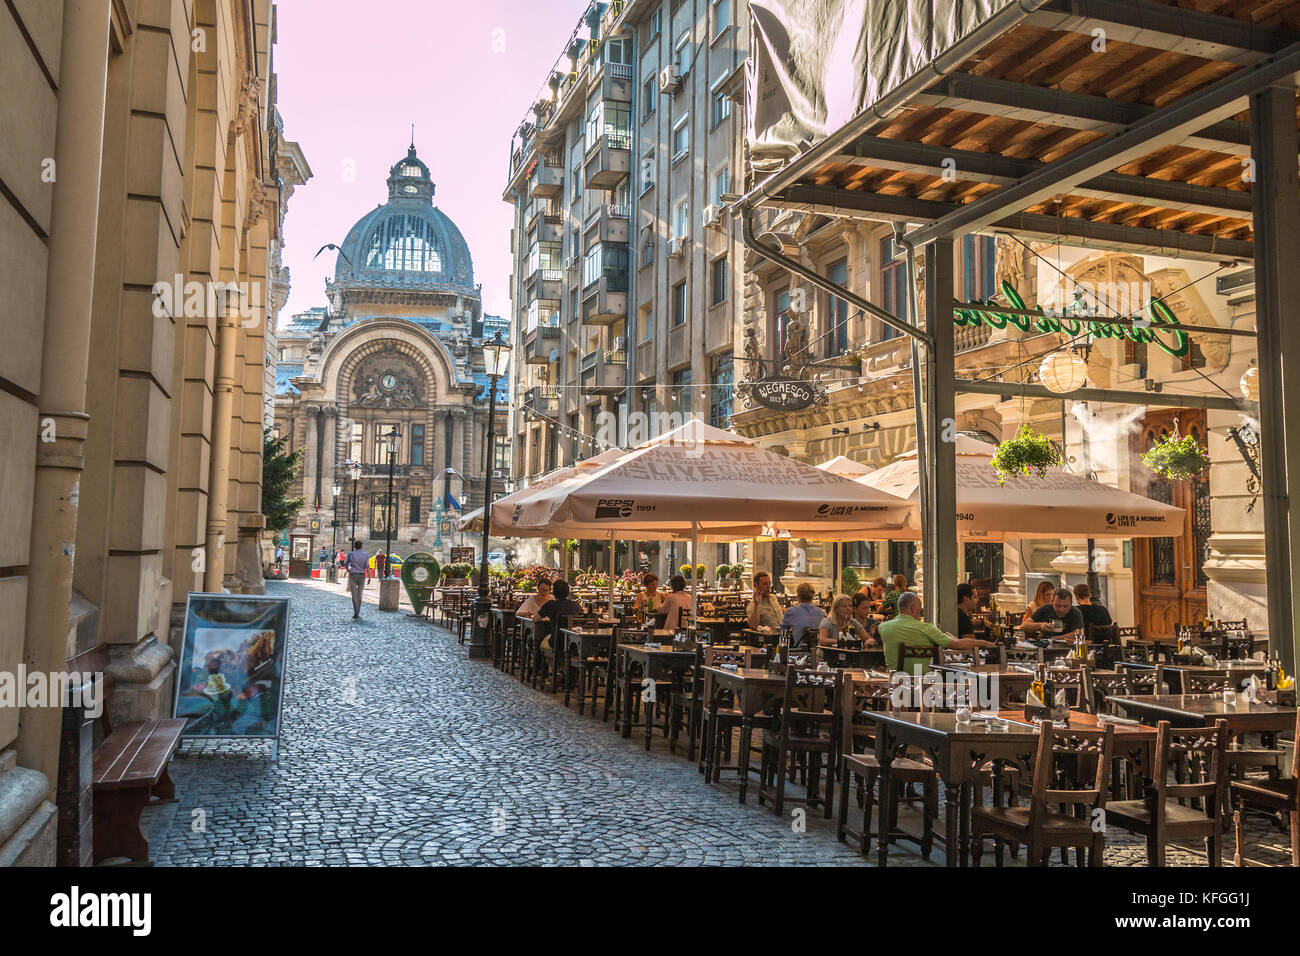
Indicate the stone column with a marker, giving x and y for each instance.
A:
(64, 360)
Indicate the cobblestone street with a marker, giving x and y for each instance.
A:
(398, 750)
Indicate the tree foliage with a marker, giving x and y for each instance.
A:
(279, 469)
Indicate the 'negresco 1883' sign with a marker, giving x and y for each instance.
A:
(784, 394)
(1162, 319)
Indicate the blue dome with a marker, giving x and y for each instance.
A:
(407, 243)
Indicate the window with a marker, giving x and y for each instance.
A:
(781, 318)
(682, 217)
(720, 106)
(720, 393)
(679, 304)
(721, 17)
(417, 446)
(719, 280)
(647, 249)
(416, 514)
(613, 122)
(719, 184)
(608, 260)
(645, 324)
(618, 50)
(682, 403)
(381, 446)
(682, 52)
(837, 312)
(681, 138)
(356, 443)
(649, 94)
(648, 171)
(575, 444)
(860, 554)
(655, 24)
(977, 254)
(893, 281)
(575, 175)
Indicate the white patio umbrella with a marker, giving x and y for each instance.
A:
(1058, 505)
(707, 480)
(845, 467)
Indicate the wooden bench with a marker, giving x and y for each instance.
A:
(129, 770)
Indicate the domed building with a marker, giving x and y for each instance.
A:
(397, 347)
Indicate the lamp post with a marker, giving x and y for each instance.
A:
(354, 469)
(391, 438)
(496, 359)
(334, 532)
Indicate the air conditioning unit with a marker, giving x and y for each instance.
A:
(570, 262)
(670, 79)
(713, 216)
(677, 246)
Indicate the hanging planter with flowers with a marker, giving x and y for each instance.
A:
(1177, 458)
(1027, 451)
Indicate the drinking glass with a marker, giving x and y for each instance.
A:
(1229, 697)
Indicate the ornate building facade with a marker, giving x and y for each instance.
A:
(142, 196)
(397, 348)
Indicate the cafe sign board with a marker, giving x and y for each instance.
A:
(784, 394)
(420, 574)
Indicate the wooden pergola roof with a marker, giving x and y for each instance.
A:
(1071, 75)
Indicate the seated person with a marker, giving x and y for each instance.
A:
(862, 612)
(649, 600)
(889, 605)
(763, 609)
(1045, 620)
(534, 602)
(804, 614)
(967, 603)
(908, 630)
(1042, 597)
(840, 622)
(677, 605)
(983, 592)
(558, 609)
(873, 591)
(1094, 615)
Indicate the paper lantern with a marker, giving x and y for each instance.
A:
(1250, 383)
(1063, 372)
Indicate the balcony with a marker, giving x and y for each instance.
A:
(381, 471)
(550, 228)
(546, 182)
(604, 373)
(539, 344)
(543, 399)
(604, 301)
(616, 82)
(613, 222)
(608, 160)
(543, 282)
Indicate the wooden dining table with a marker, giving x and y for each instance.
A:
(1011, 683)
(587, 643)
(503, 620)
(1181, 671)
(658, 662)
(1200, 710)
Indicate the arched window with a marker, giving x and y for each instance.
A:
(403, 244)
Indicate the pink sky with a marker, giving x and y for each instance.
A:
(355, 74)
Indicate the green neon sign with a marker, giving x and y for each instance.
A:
(1163, 322)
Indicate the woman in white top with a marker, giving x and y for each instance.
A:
(841, 621)
(533, 603)
(649, 600)
(675, 603)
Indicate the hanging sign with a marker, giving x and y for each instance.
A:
(784, 394)
(420, 573)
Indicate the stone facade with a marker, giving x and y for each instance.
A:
(398, 345)
(142, 204)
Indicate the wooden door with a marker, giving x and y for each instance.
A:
(1169, 573)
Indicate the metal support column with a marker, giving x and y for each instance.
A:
(941, 431)
(1273, 146)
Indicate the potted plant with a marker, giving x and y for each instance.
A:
(700, 571)
(850, 581)
(1177, 458)
(686, 571)
(553, 545)
(1027, 451)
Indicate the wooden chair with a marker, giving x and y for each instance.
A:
(1040, 825)
(858, 762)
(1168, 813)
(970, 657)
(1240, 756)
(1272, 797)
(686, 704)
(910, 655)
(1075, 682)
(1123, 682)
(1210, 682)
(804, 726)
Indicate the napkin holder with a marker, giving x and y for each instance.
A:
(1286, 698)
(1033, 709)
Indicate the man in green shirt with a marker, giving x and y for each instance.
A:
(907, 629)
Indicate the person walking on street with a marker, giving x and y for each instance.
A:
(357, 563)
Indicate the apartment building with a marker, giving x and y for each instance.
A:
(626, 300)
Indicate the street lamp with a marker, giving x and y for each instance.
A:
(496, 359)
(391, 438)
(354, 469)
(334, 533)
